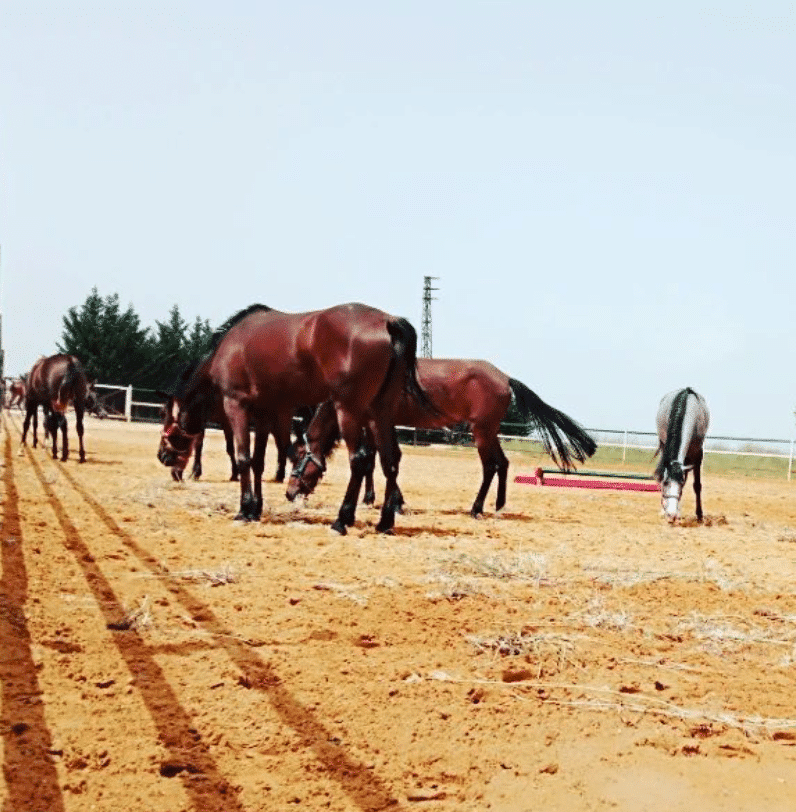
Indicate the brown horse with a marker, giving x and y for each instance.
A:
(172, 395)
(265, 363)
(478, 393)
(16, 392)
(53, 383)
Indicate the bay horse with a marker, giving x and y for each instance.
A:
(477, 393)
(682, 420)
(53, 383)
(16, 391)
(174, 396)
(264, 363)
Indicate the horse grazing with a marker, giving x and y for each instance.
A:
(264, 363)
(478, 393)
(174, 396)
(53, 383)
(682, 419)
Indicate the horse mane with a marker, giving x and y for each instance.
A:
(674, 431)
(223, 329)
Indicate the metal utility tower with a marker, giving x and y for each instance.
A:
(425, 330)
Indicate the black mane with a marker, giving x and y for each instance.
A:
(674, 431)
(222, 330)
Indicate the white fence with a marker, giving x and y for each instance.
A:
(117, 402)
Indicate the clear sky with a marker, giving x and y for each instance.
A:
(607, 191)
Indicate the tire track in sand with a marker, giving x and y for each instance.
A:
(28, 768)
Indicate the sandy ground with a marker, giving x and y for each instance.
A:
(574, 653)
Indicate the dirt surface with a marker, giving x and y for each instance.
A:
(574, 653)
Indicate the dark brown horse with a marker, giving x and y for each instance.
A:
(53, 383)
(265, 363)
(173, 394)
(478, 393)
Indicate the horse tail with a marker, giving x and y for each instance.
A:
(68, 389)
(674, 432)
(404, 342)
(563, 439)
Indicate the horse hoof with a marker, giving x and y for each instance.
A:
(339, 528)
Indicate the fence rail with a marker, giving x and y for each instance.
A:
(129, 403)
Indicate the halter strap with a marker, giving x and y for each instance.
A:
(301, 465)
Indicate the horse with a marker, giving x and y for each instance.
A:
(172, 395)
(16, 391)
(53, 383)
(682, 420)
(264, 363)
(477, 393)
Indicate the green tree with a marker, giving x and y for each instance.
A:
(167, 349)
(110, 342)
(197, 344)
(115, 348)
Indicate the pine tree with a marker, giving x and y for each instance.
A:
(111, 343)
(197, 344)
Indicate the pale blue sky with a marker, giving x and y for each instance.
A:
(606, 191)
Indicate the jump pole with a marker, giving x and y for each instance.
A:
(646, 483)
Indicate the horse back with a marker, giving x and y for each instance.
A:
(461, 390)
(57, 381)
(303, 357)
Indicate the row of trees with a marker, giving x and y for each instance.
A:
(115, 348)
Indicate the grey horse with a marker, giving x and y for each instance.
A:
(683, 419)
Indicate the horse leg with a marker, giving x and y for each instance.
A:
(281, 431)
(79, 429)
(29, 413)
(196, 471)
(489, 467)
(258, 463)
(370, 492)
(502, 474)
(398, 497)
(698, 486)
(60, 422)
(239, 426)
(229, 441)
(389, 455)
(351, 431)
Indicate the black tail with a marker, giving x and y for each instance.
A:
(404, 342)
(674, 432)
(69, 389)
(564, 440)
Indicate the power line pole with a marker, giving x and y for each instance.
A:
(425, 331)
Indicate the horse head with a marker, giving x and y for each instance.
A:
(674, 476)
(184, 417)
(308, 468)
